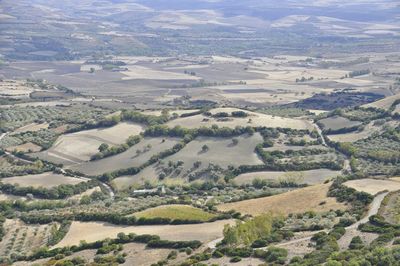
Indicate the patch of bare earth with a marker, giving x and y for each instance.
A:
(373, 186)
(94, 231)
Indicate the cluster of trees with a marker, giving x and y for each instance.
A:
(325, 244)
(343, 130)
(2, 231)
(58, 234)
(213, 131)
(270, 159)
(357, 73)
(303, 79)
(105, 150)
(238, 113)
(59, 192)
(384, 156)
(139, 117)
(381, 256)
(192, 113)
(245, 233)
(114, 218)
(106, 122)
(24, 206)
(292, 166)
(358, 200)
(301, 142)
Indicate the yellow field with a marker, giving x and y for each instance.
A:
(296, 201)
(373, 186)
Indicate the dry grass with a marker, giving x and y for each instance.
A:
(129, 158)
(140, 72)
(46, 180)
(310, 177)
(296, 201)
(373, 186)
(176, 211)
(384, 103)
(356, 135)
(26, 147)
(94, 231)
(80, 146)
(257, 119)
(31, 128)
(221, 152)
(137, 255)
(88, 192)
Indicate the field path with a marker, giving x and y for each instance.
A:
(107, 187)
(319, 130)
(374, 207)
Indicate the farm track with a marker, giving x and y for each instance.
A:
(106, 186)
(319, 130)
(374, 207)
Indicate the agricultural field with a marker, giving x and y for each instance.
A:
(31, 127)
(46, 180)
(137, 254)
(200, 132)
(335, 123)
(204, 232)
(313, 198)
(385, 103)
(135, 156)
(390, 208)
(77, 113)
(22, 238)
(11, 166)
(373, 186)
(28, 147)
(252, 119)
(15, 89)
(370, 129)
(183, 212)
(310, 177)
(197, 162)
(81, 146)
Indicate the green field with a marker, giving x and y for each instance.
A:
(181, 212)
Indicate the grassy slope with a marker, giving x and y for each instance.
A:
(176, 212)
